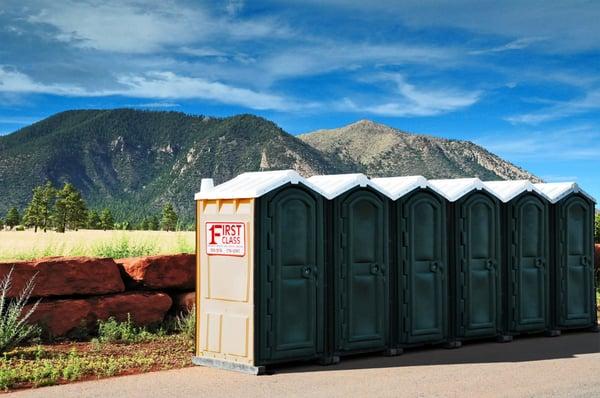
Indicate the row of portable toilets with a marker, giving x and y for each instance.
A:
(313, 269)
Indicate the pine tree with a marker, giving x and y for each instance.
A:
(169, 218)
(93, 221)
(153, 223)
(12, 218)
(106, 220)
(69, 210)
(1, 224)
(37, 214)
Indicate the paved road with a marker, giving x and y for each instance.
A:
(566, 366)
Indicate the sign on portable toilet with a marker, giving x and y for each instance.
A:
(572, 272)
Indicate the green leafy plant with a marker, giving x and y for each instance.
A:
(113, 331)
(122, 248)
(14, 328)
(185, 323)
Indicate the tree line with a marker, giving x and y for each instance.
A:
(65, 209)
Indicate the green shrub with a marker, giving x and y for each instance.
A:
(113, 331)
(13, 317)
(122, 248)
(185, 323)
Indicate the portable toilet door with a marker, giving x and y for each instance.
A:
(475, 271)
(291, 261)
(573, 290)
(422, 264)
(527, 258)
(260, 272)
(359, 219)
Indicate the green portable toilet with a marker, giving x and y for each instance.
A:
(420, 298)
(572, 235)
(358, 218)
(474, 266)
(526, 259)
(261, 272)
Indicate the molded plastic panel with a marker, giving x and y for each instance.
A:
(362, 307)
(574, 262)
(422, 280)
(291, 272)
(528, 265)
(478, 266)
(225, 300)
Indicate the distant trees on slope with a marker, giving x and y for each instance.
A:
(65, 209)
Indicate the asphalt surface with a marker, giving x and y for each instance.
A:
(566, 366)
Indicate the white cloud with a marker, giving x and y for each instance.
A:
(13, 81)
(156, 105)
(155, 85)
(569, 26)
(577, 142)
(170, 85)
(414, 101)
(517, 44)
(128, 26)
(561, 109)
(233, 7)
(307, 60)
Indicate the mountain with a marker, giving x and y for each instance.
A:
(379, 150)
(135, 161)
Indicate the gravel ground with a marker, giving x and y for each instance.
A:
(566, 366)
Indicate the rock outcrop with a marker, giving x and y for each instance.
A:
(65, 276)
(61, 318)
(176, 271)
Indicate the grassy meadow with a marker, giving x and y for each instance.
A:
(27, 245)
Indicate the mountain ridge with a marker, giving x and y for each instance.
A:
(134, 161)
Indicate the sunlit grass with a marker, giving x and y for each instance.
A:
(26, 245)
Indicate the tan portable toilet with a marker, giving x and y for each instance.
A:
(260, 272)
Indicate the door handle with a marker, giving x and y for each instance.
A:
(434, 266)
(490, 264)
(375, 269)
(307, 272)
(584, 260)
(539, 263)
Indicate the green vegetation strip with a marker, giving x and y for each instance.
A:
(120, 348)
(54, 364)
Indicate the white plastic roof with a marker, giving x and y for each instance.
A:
(336, 184)
(256, 184)
(508, 190)
(555, 191)
(454, 189)
(396, 187)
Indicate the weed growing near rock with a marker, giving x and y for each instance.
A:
(13, 318)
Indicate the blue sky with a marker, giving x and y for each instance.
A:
(521, 78)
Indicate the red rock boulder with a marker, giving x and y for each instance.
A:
(176, 271)
(65, 276)
(183, 302)
(63, 317)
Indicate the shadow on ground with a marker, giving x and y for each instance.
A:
(524, 348)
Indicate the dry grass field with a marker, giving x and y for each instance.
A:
(25, 245)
